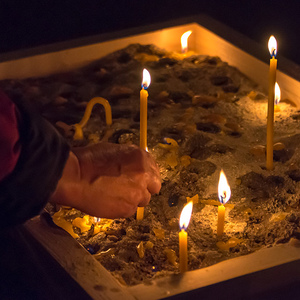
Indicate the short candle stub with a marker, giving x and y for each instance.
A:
(224, 193)
(140, 213)
(183, 224)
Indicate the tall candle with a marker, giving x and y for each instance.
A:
(140, 213)
(270, 122)
(143, 124)
(224, 195)
(143, 109)
(184, 223)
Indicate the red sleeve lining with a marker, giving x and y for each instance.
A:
(10, 147)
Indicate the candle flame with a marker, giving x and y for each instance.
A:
(146, 79)
(185, 215)
(272, 45)
(97, 220)
(277, 93)
(184, 41)
(223, 188)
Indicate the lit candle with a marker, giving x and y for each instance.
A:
(97, 220)
(277, 97)
(143, 124)
(224, 195)
(184, 41)
(108, 116)
(270, 122)
(143, 109)
(184, 223)
(97, 227)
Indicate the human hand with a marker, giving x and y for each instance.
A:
(108, 180)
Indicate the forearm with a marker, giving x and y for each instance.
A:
(25, 191)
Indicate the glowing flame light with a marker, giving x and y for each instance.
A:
(97, 220)
(186, 216)
(184, 41)
(277, 93)
(146, 79)
(223, 188)
(272, 45)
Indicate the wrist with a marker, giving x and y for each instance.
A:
(68, 190)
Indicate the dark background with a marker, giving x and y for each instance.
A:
(25, 24)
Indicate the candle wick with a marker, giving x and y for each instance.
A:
(222, 198)
(273, 52)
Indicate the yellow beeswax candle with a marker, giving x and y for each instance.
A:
(224, 193)
(183, 223)
(141, 249)
(270, 122)
(140, 213)
(221, 219)
(171, 256)
(108, 115)
(169, 145)
(143, 109)
(143, 124)
(183, 258)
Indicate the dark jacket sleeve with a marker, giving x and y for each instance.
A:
(25, 191)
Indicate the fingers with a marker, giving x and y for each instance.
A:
(154, 185)
(140, 162)
(117, 178)
(144, 199)
(115, 197)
